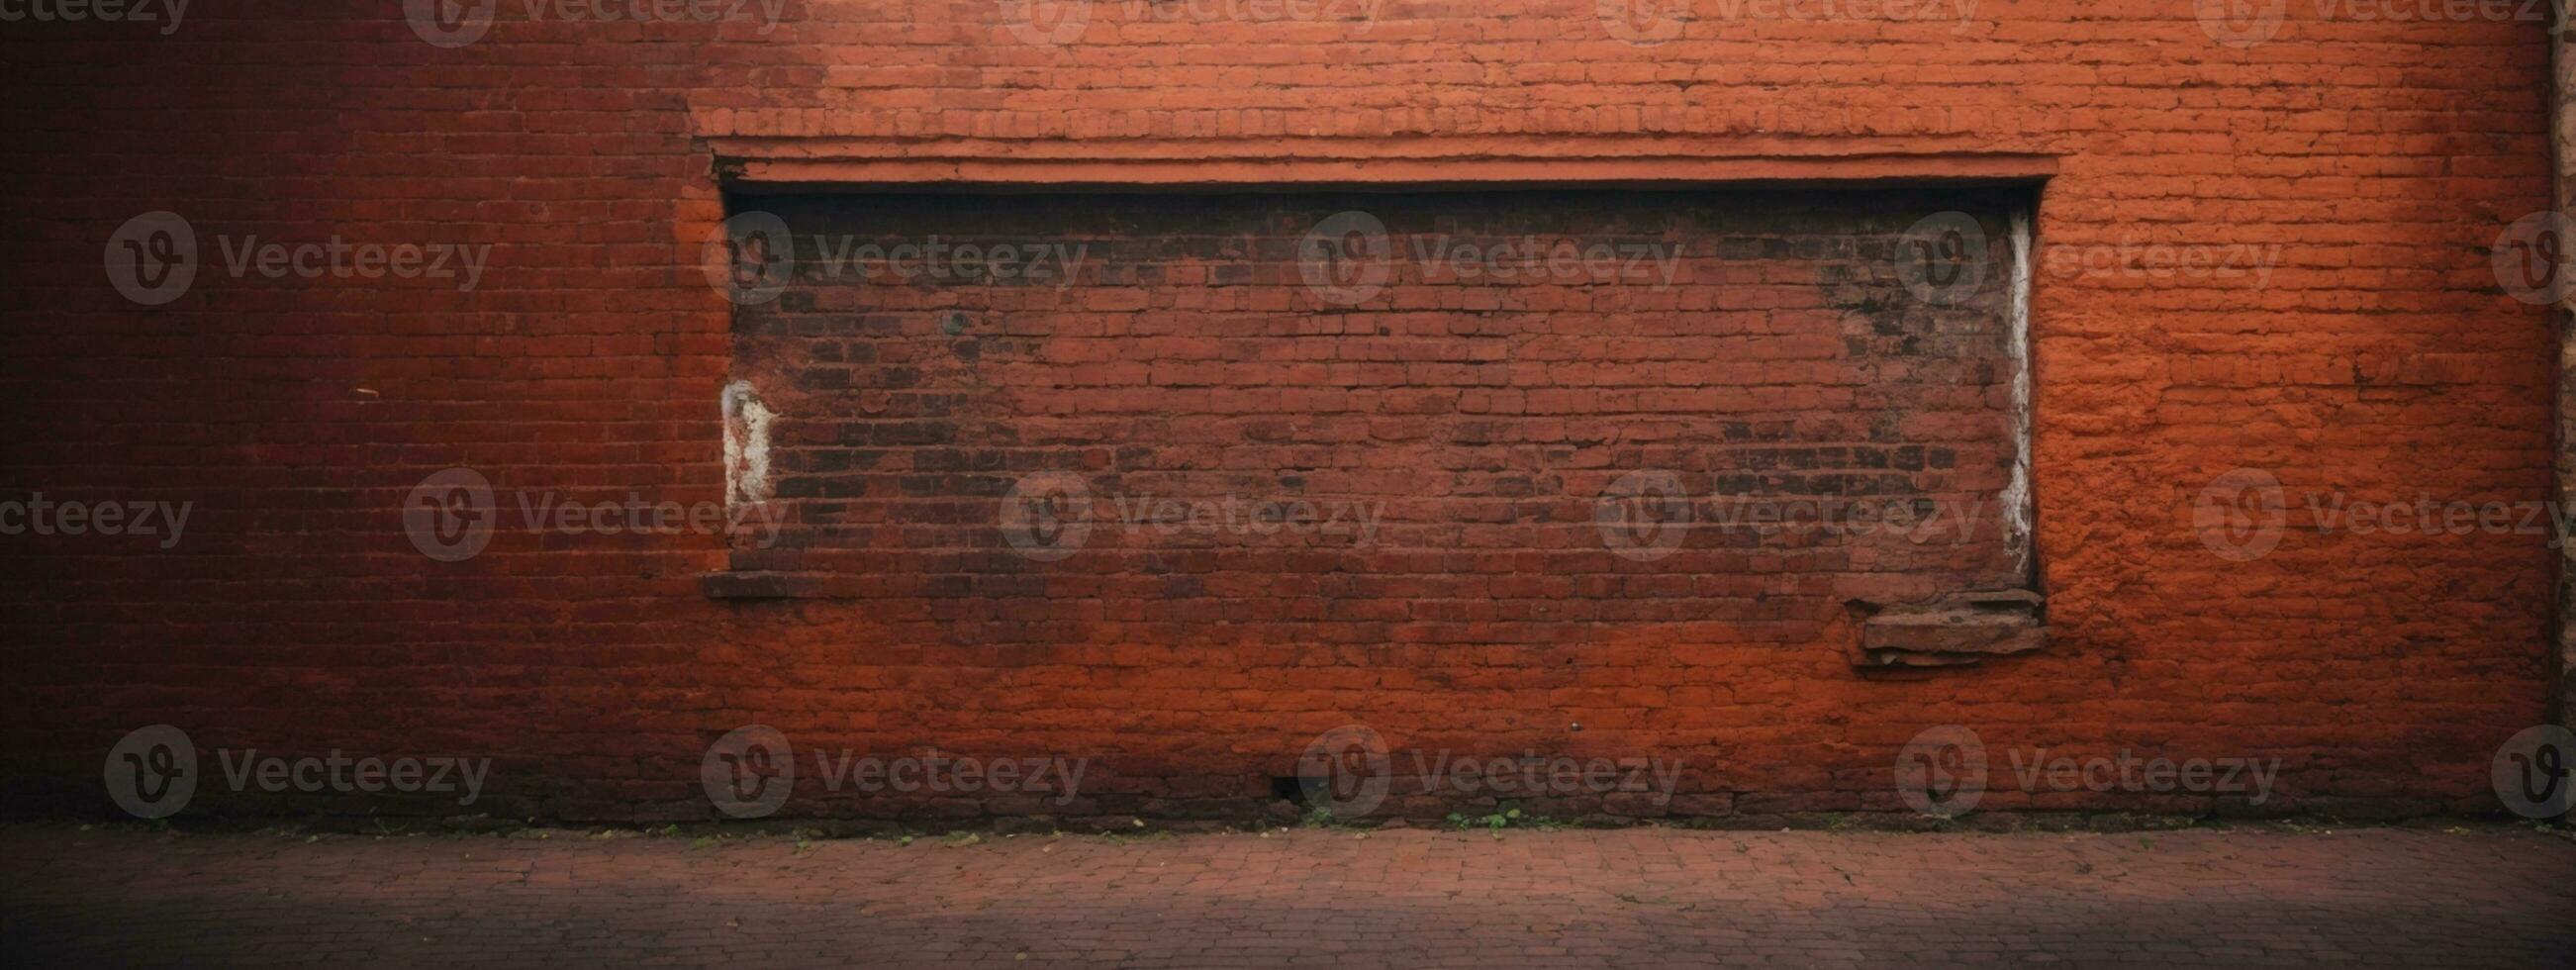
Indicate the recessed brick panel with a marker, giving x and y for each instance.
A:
(1415, 451)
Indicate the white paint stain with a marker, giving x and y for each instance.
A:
(746, 446)
(2016, 497)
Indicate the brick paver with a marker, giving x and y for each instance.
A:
(1630, 898)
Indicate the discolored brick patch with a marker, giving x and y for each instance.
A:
(1637, 897)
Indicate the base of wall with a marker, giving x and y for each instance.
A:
(1117, 813)
(2343, 813)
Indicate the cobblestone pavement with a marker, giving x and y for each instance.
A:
(2491, 897)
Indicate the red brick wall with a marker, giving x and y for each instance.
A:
(2378, 357)
(2562, 112)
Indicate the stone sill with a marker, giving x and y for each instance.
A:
(751, 156)
(1953, 631)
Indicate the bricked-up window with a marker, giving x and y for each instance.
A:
(1473, 417)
